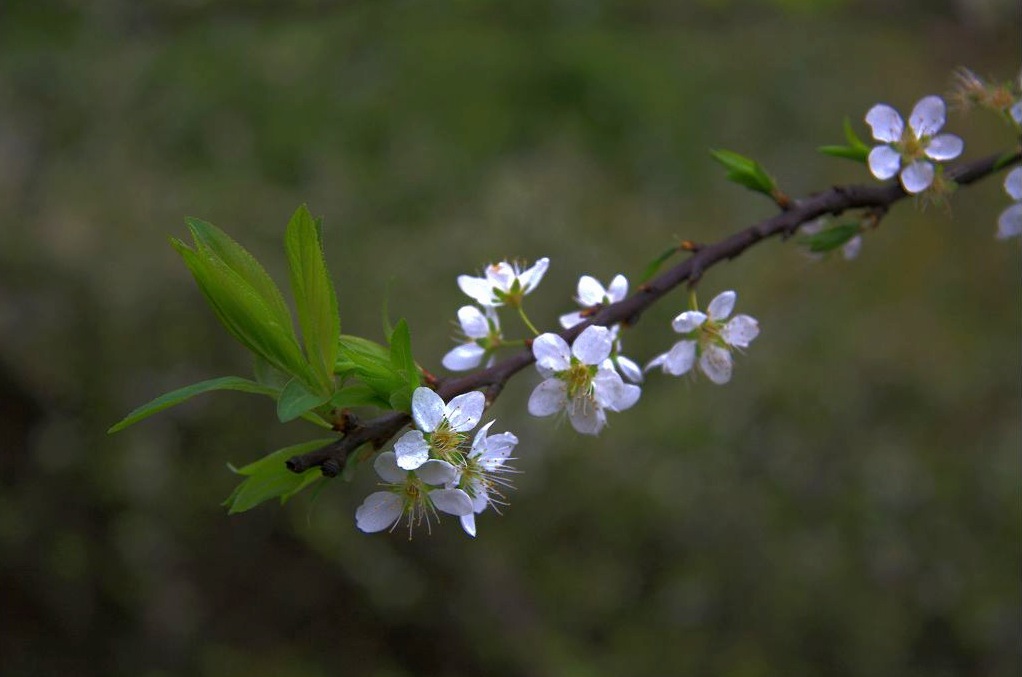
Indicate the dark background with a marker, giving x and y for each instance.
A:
(848, 505)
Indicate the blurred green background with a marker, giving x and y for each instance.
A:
(848, 505)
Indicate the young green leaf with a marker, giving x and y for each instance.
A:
(856, 150)
(181, 394)
(357, 395)
(831, 238)
(655, 264)
(295, 399)
(314, 295)
(269, 478)
(745, 172)
(401, 354)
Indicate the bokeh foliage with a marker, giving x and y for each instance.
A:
(848, 505)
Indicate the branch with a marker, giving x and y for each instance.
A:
(834, 201)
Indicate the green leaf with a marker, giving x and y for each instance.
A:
(655, 264)
(268, 375)
(314, 294)
(831, 238)
(357, 351)
(181, 394)
(357, 395)
(269, 478)
(246, 315)
(745, 172)
(295, 399)
(401, 354)
(856, 150)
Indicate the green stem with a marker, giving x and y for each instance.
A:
(693, 304)
(525, 319)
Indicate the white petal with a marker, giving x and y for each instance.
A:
(501, 275)
(593, 345)
(412, 450)
(473, 322)
(481, 443)
(740, 331)
(884, 162)
(613, 393)
(851, 249)
(1009, 224)
(588, 419)
(590, 291)
(387, 468)
(436, 472)
(1016, 112)
(451, 501)
(498, 448)
(1013, 183)
(885, 122)
(464, 411)
(928, 116)
(629, 369)
(917, 177)
(548, 397)
(618, 288)
(690, 320)
(460, 358)
(531, 277)
(657, 361)
(569, 320)
(427, 409)
(716, 364)
(722, 305)
(944, 147)
(468, 523)
(478, 288)
(379, 511)
(551, 352)
(680, 358)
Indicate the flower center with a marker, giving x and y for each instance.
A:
(579, 379)
(446, 443)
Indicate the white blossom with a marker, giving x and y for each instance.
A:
(592, 294)
(440, 427)
(482, 335)
(482, 475)
(412, 494)
(579, 379)
(908, 152)
(1009, 223)
(709, 340)
(503, 283)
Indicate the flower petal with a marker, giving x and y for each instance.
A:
(468, 523)
(722, 305)
(680, 358)
(590, 291)
(379, 511)
(944, 147)
(618, 288)
(427, 409)
(531, 277)
(885, 122)
(628, 368)
(587, 418)
(498, 449)
(657, 361)
(1013, 183)
(501, 275)
(1009, 223)
(478, 288)
(451, 501)
(412, 450)
(548, 397)
(884, 162)
(928, 116)
(593, 345)
(613, 393)
(481, 442)
(436, 472)
(387, 468)
(690, 320)
(464, 411)
(569, 320)
(473, 322)
(551, 352)
(1016, 112)
(740, 331)
(716, 364)
(463, 357)
(917, 177)
(851, 249)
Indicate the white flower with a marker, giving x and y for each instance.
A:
(503, 283)
(910, 150)
(710, 340)
(591, 294)
(482, 332)
(1009, 224)
(482, 474)
(441, 427)
(414, 494)
(580, 379)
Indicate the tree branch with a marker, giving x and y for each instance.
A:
(834, 201)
